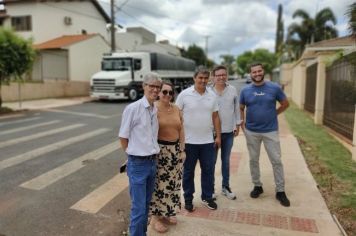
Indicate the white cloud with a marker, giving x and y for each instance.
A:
(233, 26)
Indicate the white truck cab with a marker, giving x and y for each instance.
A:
(122, 74)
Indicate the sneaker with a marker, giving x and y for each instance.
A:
(226, 191)
(256, 192)
(282, 198)
(209, 203)
(189, 206)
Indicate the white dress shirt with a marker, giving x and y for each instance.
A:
(139, 124)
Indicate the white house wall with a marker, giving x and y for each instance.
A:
(85, 58)
(128, 41)
(48, 19)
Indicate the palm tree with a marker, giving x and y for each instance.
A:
(351, 14)
(311, 30)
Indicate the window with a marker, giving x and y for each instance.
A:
(21, 23)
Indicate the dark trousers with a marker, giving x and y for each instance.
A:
(205, 154)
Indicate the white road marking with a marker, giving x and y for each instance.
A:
(68, 168)
(38, 135)
(97, 199)
(29, 127)
(79, 113)
(46, 149)
(18, 121)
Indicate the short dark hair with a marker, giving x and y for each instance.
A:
(253, 64)
(219, 67)
(202, 70)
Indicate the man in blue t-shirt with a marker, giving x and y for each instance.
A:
(261, 125)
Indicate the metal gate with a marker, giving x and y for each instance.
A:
(310, 88)
(340, 97)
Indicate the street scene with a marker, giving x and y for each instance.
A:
(59, 172)
(140, 117)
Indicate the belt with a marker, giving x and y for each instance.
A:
(150, 157)
(167, 142)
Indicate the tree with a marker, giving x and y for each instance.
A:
(351, 15)
(228, 61)
(268, 59)
(279, 32)
(311, 30)
(195, 53)
(16, 57)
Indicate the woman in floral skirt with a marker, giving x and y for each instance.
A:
(165, 201)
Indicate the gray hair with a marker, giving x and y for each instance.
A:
(202, 70)
(151, 77)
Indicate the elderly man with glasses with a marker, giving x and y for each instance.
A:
(138, 137)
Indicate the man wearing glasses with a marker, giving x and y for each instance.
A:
(138, 137)
(200, 116)
(229, 113)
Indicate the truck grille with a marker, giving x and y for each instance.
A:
(103, 85)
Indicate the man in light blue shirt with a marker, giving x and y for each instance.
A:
(229, 114)
(138, 137)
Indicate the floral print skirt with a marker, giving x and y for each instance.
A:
(166, 196)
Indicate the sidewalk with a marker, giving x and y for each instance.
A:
(46, 103)
(307, 215)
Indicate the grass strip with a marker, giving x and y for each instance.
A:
(331, 165)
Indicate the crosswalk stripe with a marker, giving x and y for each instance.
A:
(49, 148)
(79, 113)
(18, 121)
(29, 127)
(97, 199)
(38, 135)
(68, 168)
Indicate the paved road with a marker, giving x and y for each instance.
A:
(59, 172)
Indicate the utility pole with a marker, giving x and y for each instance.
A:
(113, 45)
(206, 49)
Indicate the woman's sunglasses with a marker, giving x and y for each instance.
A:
(165, 92)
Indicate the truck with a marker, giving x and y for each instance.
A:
(122, 74)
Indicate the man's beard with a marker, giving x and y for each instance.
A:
(257, 81)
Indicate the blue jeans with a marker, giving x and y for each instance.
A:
(141, 175)
(205, 154)
(227, 140)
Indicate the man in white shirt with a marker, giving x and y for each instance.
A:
(229, 114)
(138, 137)
(200, 115)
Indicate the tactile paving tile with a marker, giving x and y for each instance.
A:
(252, 218)
(302, 224)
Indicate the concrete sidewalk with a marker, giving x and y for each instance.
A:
(46, 103)
(307, 215)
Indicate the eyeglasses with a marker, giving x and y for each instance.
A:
(152, 86)
(165, 92)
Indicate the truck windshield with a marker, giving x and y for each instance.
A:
(116, 64)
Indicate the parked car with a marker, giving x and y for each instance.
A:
(248, 79)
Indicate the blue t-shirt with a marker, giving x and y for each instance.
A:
(260, 102)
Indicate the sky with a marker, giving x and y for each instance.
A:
(220, 26)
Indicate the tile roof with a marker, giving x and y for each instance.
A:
(63, 41)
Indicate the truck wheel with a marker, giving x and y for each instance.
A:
(133, 94)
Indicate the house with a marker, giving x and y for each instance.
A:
(323, 83)
(69, 57)
(44, 20)
(70, 37)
